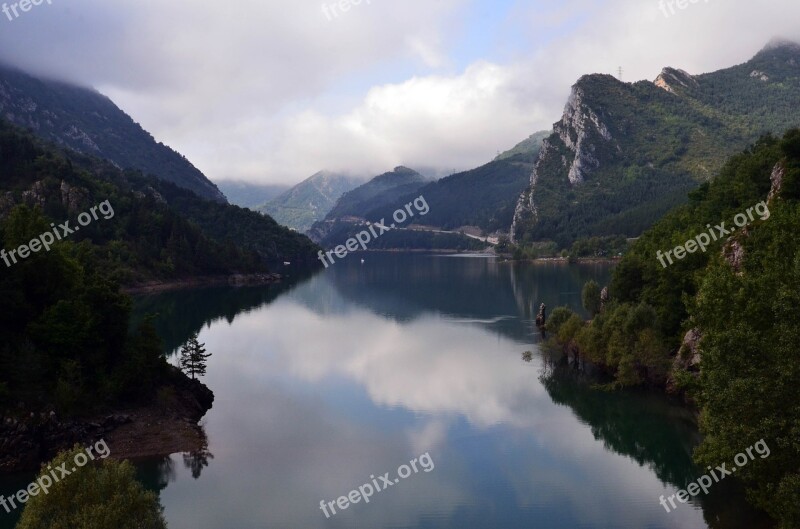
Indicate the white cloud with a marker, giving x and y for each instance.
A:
(274, 91)
(448, 121)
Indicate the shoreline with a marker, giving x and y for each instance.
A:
(567, 260)
(152, 287)
(169, 424)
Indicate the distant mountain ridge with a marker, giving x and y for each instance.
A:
(88, 122)
(624, 154)
(377, 193)
(252, 196)
(481, 199)
(368, 200)
(310, 200)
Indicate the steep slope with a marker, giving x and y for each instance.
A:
(138, 237)
(86, 121)
(310, 200)
(157, 231)
(483, 197)
(625, 154)
(531, 145)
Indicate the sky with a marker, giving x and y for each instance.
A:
(270, 92)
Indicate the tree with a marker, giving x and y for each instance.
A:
(591, 298)
(193, 357)
(103, 496)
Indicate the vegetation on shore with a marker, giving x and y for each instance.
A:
(105, 495)
(740, 297)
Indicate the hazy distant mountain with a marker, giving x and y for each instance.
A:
(86, 121)
(248, 195)
(369, 199)
(378, 192)
(377, 200)
(310, 200)
(624, 154)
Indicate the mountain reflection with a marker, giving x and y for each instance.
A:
(363, 365)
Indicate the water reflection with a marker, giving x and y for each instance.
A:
(364, 367)
(182, 313)
(199, 459)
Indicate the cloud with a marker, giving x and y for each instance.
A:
(273, 91)
(448, 121)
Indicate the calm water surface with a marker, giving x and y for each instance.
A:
(322, 383)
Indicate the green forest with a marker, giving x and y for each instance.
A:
(745, 311)
(63, 315)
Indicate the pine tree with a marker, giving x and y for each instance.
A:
(193, 357)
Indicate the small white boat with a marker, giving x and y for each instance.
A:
(286, 263)
(362, 261)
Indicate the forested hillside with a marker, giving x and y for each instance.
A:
(86, 121)
(720, 325)
(625, 154)
(158, 231)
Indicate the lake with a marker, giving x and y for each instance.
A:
(324, 384)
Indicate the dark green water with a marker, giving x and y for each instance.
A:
(326, 381)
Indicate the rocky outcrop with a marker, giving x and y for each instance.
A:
(776, 178)
(687, 360)
(578, 130)
(541, 318)
(575, 129)
(674, 80)
(733, 252)
(36, 195)
(72, 197)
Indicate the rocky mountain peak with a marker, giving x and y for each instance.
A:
(673, 80)
(579, 123)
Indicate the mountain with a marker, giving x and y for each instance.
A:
(248, 195)
(377, 193)
(156, 230)
(530, 145)
(624, 154)
(310, 200)
(86, 121)
(369, 200)
(481, 199)
(378, 200)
